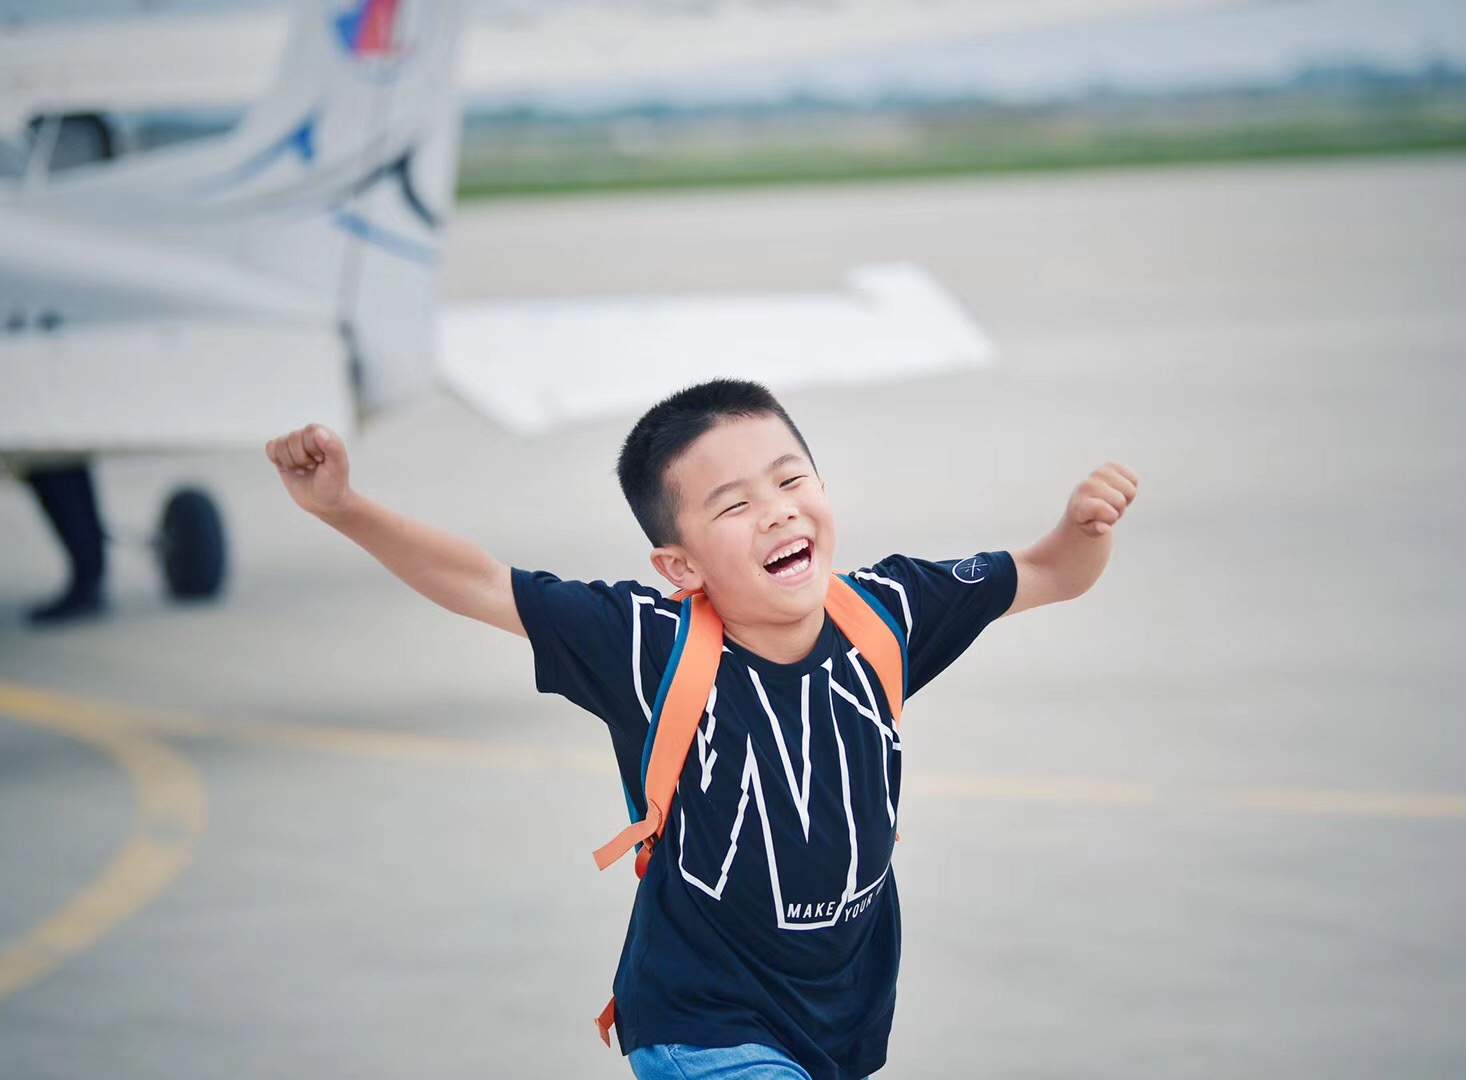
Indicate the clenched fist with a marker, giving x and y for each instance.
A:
(312, 465)
(1100, 501)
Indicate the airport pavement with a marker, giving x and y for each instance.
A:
(1207, 821)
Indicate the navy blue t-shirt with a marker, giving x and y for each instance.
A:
(769, 913)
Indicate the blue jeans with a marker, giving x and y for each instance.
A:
(676, 1061)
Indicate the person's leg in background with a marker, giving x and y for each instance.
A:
(69, 500)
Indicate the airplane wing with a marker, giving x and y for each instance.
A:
(537, 364)
(165, 385)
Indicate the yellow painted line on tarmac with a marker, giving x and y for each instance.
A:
(384, 745)
(1374, 804)
(1055, 789)
(171, 816)
(323, 738)
(1303, 801)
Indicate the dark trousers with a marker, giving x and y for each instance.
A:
(70, 502)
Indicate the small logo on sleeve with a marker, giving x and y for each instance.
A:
(970, 570)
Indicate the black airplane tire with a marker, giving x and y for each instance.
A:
(191, 545)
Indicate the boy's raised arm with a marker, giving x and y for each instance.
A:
(1066, 562)
(447, 569)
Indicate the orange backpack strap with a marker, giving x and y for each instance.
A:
(691, 669)
(872, 630)
(606, 1021)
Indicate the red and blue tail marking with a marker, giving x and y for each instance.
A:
(367, 29)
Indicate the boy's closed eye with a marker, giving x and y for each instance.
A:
(783, 484)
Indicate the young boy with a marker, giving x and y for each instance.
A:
(765, 936)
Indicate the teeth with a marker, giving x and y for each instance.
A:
(788, 549)
(791, 571)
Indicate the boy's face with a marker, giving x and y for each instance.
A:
(746, 491)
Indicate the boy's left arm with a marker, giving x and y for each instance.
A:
(1066, 562)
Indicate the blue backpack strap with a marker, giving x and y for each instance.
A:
(684, 626)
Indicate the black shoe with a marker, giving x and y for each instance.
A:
(80, 601)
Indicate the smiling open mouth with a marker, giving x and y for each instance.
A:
(790, 560)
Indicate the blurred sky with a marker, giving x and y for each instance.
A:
(1194, 44)
(1161, 51)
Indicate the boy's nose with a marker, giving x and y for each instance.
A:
(781, 514)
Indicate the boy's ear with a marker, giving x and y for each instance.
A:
(671, 562)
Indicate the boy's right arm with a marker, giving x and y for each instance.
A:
(447, 569)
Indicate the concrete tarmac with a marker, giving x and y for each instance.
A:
(1207, 821)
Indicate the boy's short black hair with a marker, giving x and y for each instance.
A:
(668, 429)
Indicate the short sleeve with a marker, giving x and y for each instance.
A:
(602, 646)
(943, 606)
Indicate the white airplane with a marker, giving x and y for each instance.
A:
(201, 296)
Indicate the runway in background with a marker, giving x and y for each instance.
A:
(1207, 821)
